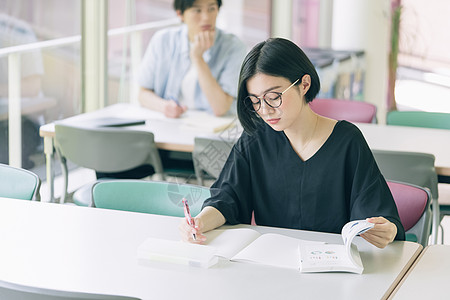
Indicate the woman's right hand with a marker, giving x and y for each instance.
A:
(173, 110)
(187, 231)
(208, 219)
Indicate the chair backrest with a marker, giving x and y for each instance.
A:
(210, 155)
(18, 183)
(14, 291)
(419, 119)
(107, 149)
(155, 197)
(352, 111)
(413, 205)
(411, 167)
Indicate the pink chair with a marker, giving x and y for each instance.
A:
(413, 205)
(352, 111)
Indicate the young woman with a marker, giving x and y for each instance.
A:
(193, 66)
(291, 167)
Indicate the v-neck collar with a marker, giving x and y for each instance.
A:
(317, 153)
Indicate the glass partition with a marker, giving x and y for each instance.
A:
(49, 78)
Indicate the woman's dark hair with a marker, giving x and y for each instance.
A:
(275, 57)
(182, 5)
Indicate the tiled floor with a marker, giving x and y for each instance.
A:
(80, 176)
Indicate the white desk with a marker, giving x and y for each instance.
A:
(170, 134)
(429, 277)
(96, 252)
(412, 139)
(167, 131)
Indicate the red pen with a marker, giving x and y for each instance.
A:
(187, 215)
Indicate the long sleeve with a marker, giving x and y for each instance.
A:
(231, 193)
(371, 195)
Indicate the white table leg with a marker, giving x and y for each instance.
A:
(48, 151)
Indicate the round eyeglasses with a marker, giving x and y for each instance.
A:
(272, 99)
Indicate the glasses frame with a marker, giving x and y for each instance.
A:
(252, 104)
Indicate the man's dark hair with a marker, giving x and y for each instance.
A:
(275, 57)
(182, 5)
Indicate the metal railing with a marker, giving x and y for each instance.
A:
(14, 74)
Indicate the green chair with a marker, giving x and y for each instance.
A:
(419, 119)
(154, 197)
(18, 183)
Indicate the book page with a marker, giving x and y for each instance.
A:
(328, 258)
(178, 252)
(354, 228)
(349, 231)
(272, 249)
(334, 257)
(228, 242)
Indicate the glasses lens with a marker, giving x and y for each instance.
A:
(273, 99)
(253, 103)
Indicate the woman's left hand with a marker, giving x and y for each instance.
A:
(382, 233)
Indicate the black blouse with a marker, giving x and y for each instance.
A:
(339, 183)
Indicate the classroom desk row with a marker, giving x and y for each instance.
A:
(171, 135)
(428, 277)
(96, 252)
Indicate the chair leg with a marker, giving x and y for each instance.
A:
(157, 163)
(198, 171)
(200, 179)
(435, 221)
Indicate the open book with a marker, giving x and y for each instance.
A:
(202, 121)
(334, 257)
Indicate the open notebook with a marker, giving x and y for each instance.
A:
(248, 245)
(239, 244)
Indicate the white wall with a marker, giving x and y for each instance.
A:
(365, 24)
